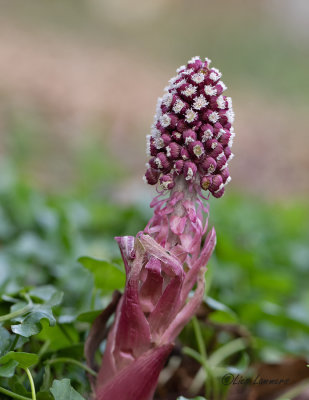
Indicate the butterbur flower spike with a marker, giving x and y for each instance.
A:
(189, 148)
(195, 116)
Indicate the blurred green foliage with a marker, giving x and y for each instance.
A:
(59, 265)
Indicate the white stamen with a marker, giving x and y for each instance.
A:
(231, 157)
(173, 80)
(165, 184)
(220, 156)
(144, 179)
(214, 117)
(198, 78)
(208, 61)
(189, 139)
(228, 180)
(167, 99)
(159, 143)
(214, 145)
(148, 145)
(215, 75)
(193, 59)
(180, 69)
(211, 169)
(220, 187)
(165, 120)
(154, 131)
(223, 85)
(229, 102)
(207, 135)
(220, 133)
(189, 91)
(178, 106)
(190, 115)
(188, 71)
(198, 151)
(200, 102)
(158, 162)
(168, 151)
(180, 83)
(210, 90)
(189, 174)
(158, 106)
(230, 116)
(223, 167)
(231, 140)
(221, 102)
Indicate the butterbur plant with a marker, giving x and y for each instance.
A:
(189, 149)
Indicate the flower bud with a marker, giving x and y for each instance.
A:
(167, 181)
(211, 144)
(206, 182)
(166, 139)
(209, 165)
(178, 166)
(227, 152)
(225, 137)
(196, 149)
(181, 125)
(152, 176)
(153, 164)
(161, 161)
(216, 183)
(189, 136)
(153, 150)
(184, 154)
(219, 193)
(177, 136)
(206, 132)
(190, 170)
(225, 174)
(180, 106)
(221, 160)
(216, 151)
(173, 150)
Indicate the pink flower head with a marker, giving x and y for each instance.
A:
(190, 149)
(193, 122)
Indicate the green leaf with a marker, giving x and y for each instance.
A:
(222, 317)
(24, 360)
(31, 324)
(48, 293)
(107, 276)
(88, 316)
(220, 312)
(5, 341)
(7, 370)
(44, 396)
(62, 390)
(58, 336)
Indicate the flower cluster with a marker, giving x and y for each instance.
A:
(192, 132)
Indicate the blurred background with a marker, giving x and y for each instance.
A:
(76, 72)
(78, 88)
